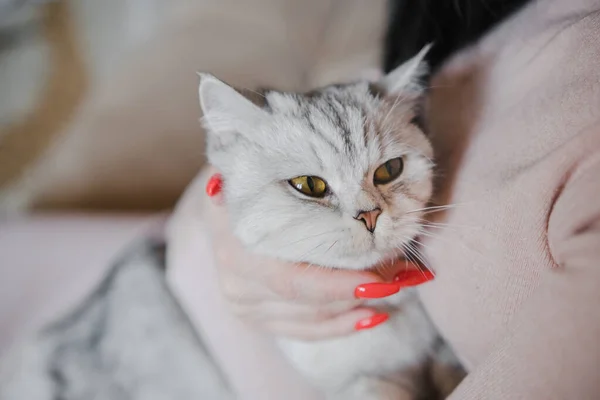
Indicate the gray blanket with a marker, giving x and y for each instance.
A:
(129, 340)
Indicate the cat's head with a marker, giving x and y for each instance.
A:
(332, 177)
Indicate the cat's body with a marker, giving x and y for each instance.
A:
(338, 178)
(388, 362)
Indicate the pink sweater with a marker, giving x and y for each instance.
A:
(517, 124)
(518, 285)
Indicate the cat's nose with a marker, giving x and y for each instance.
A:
(369, 218)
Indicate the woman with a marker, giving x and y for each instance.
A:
(516, 122)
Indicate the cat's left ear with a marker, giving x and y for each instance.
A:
(225, 109)
(408, 77)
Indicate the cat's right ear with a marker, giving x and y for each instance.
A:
(407, 77)
(225, 109)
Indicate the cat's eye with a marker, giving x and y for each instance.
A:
(388, 171)
(312, 186)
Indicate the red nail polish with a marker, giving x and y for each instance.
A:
(414, 277)
(214, 185)
(376, 290)
(370, 322)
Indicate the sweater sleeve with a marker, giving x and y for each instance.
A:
(552, 349)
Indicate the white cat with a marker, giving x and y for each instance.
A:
(334, 177)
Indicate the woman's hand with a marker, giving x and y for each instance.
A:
(293, 300)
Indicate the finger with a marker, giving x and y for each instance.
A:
(414, 277)
(244, 291)
(266, 311)
(312, 284)
(341, 325)
(391, 270)
(218, 219)
(309, 284)
(411, 274)
(218, 199)
(302, 283)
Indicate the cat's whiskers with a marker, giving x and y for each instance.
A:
(428, 210)
(413, 252)
(409, 248)
(391, 110)
(301, 257)
(442, 225)
(315, 248)
(447, 240)
(330, 247)
(304, 238)
(440, 229)
(422, 245)
(254, 91)
(441, 86)
(309, 265)
(384, 267)
(313, 236)
(420, 152)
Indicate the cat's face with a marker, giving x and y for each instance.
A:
(331, 178)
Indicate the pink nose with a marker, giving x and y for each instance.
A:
(369, 218)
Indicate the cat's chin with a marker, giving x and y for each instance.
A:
(373, 261)
(358, 263)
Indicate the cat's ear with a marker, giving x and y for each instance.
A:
(407, 77)
(225, 109)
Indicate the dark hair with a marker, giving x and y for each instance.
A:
(449, 24)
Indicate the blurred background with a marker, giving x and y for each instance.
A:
(98, 98)
(52, 56)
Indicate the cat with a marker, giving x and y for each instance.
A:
(127, 339)
(450, 24)
(336, 177)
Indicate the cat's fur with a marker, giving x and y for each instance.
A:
(341, 133)
(127, 340)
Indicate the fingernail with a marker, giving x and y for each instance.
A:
(370, 322)
(414, 277)
(214, 185)
(376, 290)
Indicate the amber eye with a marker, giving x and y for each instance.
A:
(388, 171)
(312, 186)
